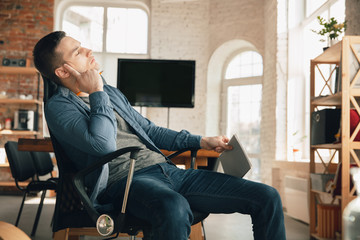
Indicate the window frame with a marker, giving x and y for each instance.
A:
(226, 83)
(106, 59)
(299, 70)
(139, 4)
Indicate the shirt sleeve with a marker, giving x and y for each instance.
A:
(92, 132)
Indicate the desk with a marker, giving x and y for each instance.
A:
(45, 145)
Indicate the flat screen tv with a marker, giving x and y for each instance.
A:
(157, 83)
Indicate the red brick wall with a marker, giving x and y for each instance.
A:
(22, 23)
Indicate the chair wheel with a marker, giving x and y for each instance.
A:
(105, 225)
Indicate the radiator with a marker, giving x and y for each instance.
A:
(296, 198)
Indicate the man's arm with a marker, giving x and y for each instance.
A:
(168, 139)
(93, 133)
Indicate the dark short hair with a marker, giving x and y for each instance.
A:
(46, 60)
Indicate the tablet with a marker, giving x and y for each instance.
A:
(235, 162)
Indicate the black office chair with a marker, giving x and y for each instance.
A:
(23, 168)
(43, 164)
(73, 207)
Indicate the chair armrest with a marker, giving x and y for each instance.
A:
(105, 159)
(79, 178)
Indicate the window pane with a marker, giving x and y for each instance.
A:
(127, 30)
(244, 115)
(86, 25)
(312, 6)
(246, 64)
(337, 11)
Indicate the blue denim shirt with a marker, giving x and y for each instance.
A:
(88, 134)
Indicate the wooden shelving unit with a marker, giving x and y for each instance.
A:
(18, 70)
(23, 104)
(18, 132)
(19, 101)
(37, 102)
(346, 55)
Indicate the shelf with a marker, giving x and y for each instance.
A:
(330, 55)
(19, 101)
(353, 145)
(18, 70)
(332, 100)
(327, 146)
(355, 92)
(325, 193)
(18, 132)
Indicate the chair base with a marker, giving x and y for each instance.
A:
(75, 233)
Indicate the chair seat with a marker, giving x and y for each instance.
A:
(36, 186)
(199, 216)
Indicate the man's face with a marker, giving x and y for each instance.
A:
(78, 57)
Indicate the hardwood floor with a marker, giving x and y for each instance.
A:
(217, 226)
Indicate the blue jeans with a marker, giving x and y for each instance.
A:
(164, 195)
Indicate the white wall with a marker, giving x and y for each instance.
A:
(196, 30)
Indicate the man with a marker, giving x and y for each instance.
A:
(91, 119)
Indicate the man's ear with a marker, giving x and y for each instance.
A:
(61, 72)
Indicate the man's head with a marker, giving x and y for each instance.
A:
(46, 59)
(56, 49)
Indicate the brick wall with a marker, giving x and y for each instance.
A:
(22, 23)
(195, 30)
(239, 19)
(179, 30)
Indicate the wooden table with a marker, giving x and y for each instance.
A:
(45, 145)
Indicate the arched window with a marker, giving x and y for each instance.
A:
(245, 64)
(242, 91)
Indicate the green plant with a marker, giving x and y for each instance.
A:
(331, 29)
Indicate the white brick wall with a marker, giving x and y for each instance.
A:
(179, 30)
(268, 113)
(195, 30)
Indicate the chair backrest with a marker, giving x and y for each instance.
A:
(69, 210)
(49, 88)
(21, 163)
(43, 163)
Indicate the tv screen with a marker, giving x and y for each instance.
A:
(157, 83)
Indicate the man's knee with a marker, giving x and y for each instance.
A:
(272, 197)
(175, 209)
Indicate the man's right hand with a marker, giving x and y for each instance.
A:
(88, 81)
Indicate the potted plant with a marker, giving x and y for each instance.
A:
(331, 29)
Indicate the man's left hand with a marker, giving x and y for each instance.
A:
(218, 143)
